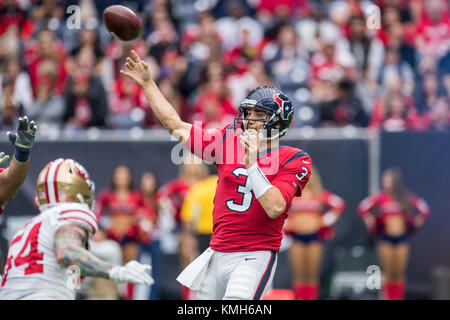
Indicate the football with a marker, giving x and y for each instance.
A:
(122, 22)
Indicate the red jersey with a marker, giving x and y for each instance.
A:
(320, 203)
(436, 34)
(171, 196)
(108, 202)
(239, 221)
(383, 206)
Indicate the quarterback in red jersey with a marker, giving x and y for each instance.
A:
(258, 178)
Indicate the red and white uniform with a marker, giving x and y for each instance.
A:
(321, 203)
(108, 204)
(31, 270)
(384, 206)
(242, 257)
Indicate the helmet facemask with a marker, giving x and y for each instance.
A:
(267, 131)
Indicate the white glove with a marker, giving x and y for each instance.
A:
(133, 272)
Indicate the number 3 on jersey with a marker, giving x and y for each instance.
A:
(33, 256)
(245, 190)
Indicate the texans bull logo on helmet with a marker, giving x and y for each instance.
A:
(284, 104)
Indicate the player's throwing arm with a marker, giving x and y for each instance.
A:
(140, 73)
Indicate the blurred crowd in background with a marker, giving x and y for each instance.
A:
(206, 55)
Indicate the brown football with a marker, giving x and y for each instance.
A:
(122, 22)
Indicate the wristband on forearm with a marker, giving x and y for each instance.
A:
(259, 181)
(22, 155)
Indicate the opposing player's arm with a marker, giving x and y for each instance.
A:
(14, 176)
(140, 73)
(69, 247)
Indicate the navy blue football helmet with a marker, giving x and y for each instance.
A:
(274, 102)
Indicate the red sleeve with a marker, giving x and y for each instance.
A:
(367, 205)
(204, 143)
(333, 201)
(421, 206)
(292, 178)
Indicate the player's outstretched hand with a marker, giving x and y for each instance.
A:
(24, 137)
(3, 157)
(133, 272)
(137, 70)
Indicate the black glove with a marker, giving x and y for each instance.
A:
(23, 139)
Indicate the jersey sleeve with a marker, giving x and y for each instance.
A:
(334, 202)
(367, 205)
(205, 143)
(293, 177)
(83, 218)
(421, 206)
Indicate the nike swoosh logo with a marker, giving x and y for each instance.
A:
(246, 259)
(306, 162)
